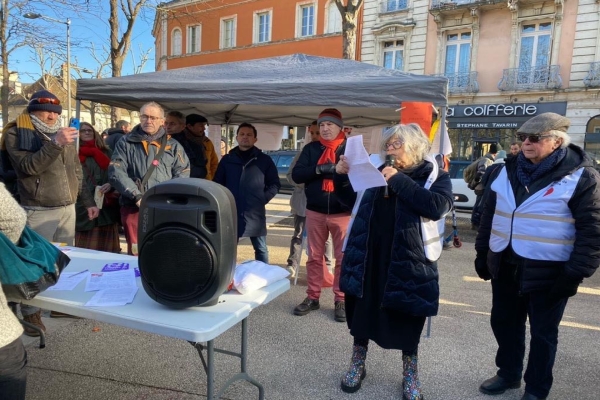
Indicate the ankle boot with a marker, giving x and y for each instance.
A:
(411, 386)
(34, 319)
(352, 380)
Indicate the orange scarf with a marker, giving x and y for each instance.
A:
(328, 156)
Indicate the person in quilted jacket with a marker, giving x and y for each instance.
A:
(389, 271)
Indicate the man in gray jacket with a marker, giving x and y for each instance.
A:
(131, 160)
(45, 161)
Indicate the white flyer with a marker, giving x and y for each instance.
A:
(362, 174)
(124, 279)
(69, 280)
(112, 297)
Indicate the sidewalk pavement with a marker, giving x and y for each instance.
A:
(299, 358)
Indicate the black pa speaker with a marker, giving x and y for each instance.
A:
(187, 242)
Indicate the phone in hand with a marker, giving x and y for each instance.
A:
(74, 123)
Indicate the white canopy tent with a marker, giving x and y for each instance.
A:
(286, 90)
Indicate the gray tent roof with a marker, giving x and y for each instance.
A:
(286, 90)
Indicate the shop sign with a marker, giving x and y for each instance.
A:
(499, 116)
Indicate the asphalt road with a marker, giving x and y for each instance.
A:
(305, 357)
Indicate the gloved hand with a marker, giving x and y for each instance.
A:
(564, 286)
(326, 169)
(481, 266)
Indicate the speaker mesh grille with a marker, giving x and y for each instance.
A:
(177, 263)
(210, 221)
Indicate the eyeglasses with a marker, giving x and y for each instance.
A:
(394, 145)
(532, 138)
(46, 100)
(144, 117)
(86, 130)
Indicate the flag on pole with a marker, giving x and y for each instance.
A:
(419, 113)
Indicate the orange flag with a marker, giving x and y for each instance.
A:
(417, 113)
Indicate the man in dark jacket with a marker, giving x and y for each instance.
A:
(325, 214)
(113, 135)
(252, 178)
(45, 161)
(189, 131)
(537, 240)
(132, 159)
(482, 164)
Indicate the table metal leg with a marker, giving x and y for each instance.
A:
(13, 307)
(210, 373)
(209, 367)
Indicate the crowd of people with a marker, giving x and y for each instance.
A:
(385, 241)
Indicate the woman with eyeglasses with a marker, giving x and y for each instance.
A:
(101, 233)
(389, 271)
(537, 240)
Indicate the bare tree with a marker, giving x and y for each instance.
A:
(102, 59)
(349, 12)
(47, 60)
(13, 35)
(144, 56)
(119, 46)
(17, 32)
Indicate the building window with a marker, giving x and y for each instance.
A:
(334, 18)
(193, 38)
(306, 20)
(262, 27)
(228, 33)
(176, 42)
(534, 54)
(394, 5)
(458, 55)
(393, 54)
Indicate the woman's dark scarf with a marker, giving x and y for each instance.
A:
(528, 172)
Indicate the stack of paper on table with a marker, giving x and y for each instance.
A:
(115, 288)
(115, 284)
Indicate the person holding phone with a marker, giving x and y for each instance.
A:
(49, 176)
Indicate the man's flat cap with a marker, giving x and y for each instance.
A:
(545, 122)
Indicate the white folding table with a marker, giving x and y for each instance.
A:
(196, 325)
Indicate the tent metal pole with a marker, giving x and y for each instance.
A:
(228, 116)
(443, 128)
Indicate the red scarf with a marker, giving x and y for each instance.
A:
(328, 156)
(89, 149)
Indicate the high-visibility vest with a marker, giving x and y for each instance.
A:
(542, 227)
(432, 232)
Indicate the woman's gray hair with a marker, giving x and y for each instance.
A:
(415, 142)
(566, 139)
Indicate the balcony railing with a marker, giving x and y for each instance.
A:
(534, 78)
(450, 4)
(388, 6)
(592, 79)
(462, 82)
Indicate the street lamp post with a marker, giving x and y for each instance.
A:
(68, 23)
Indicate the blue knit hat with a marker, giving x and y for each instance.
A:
(43, 100)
